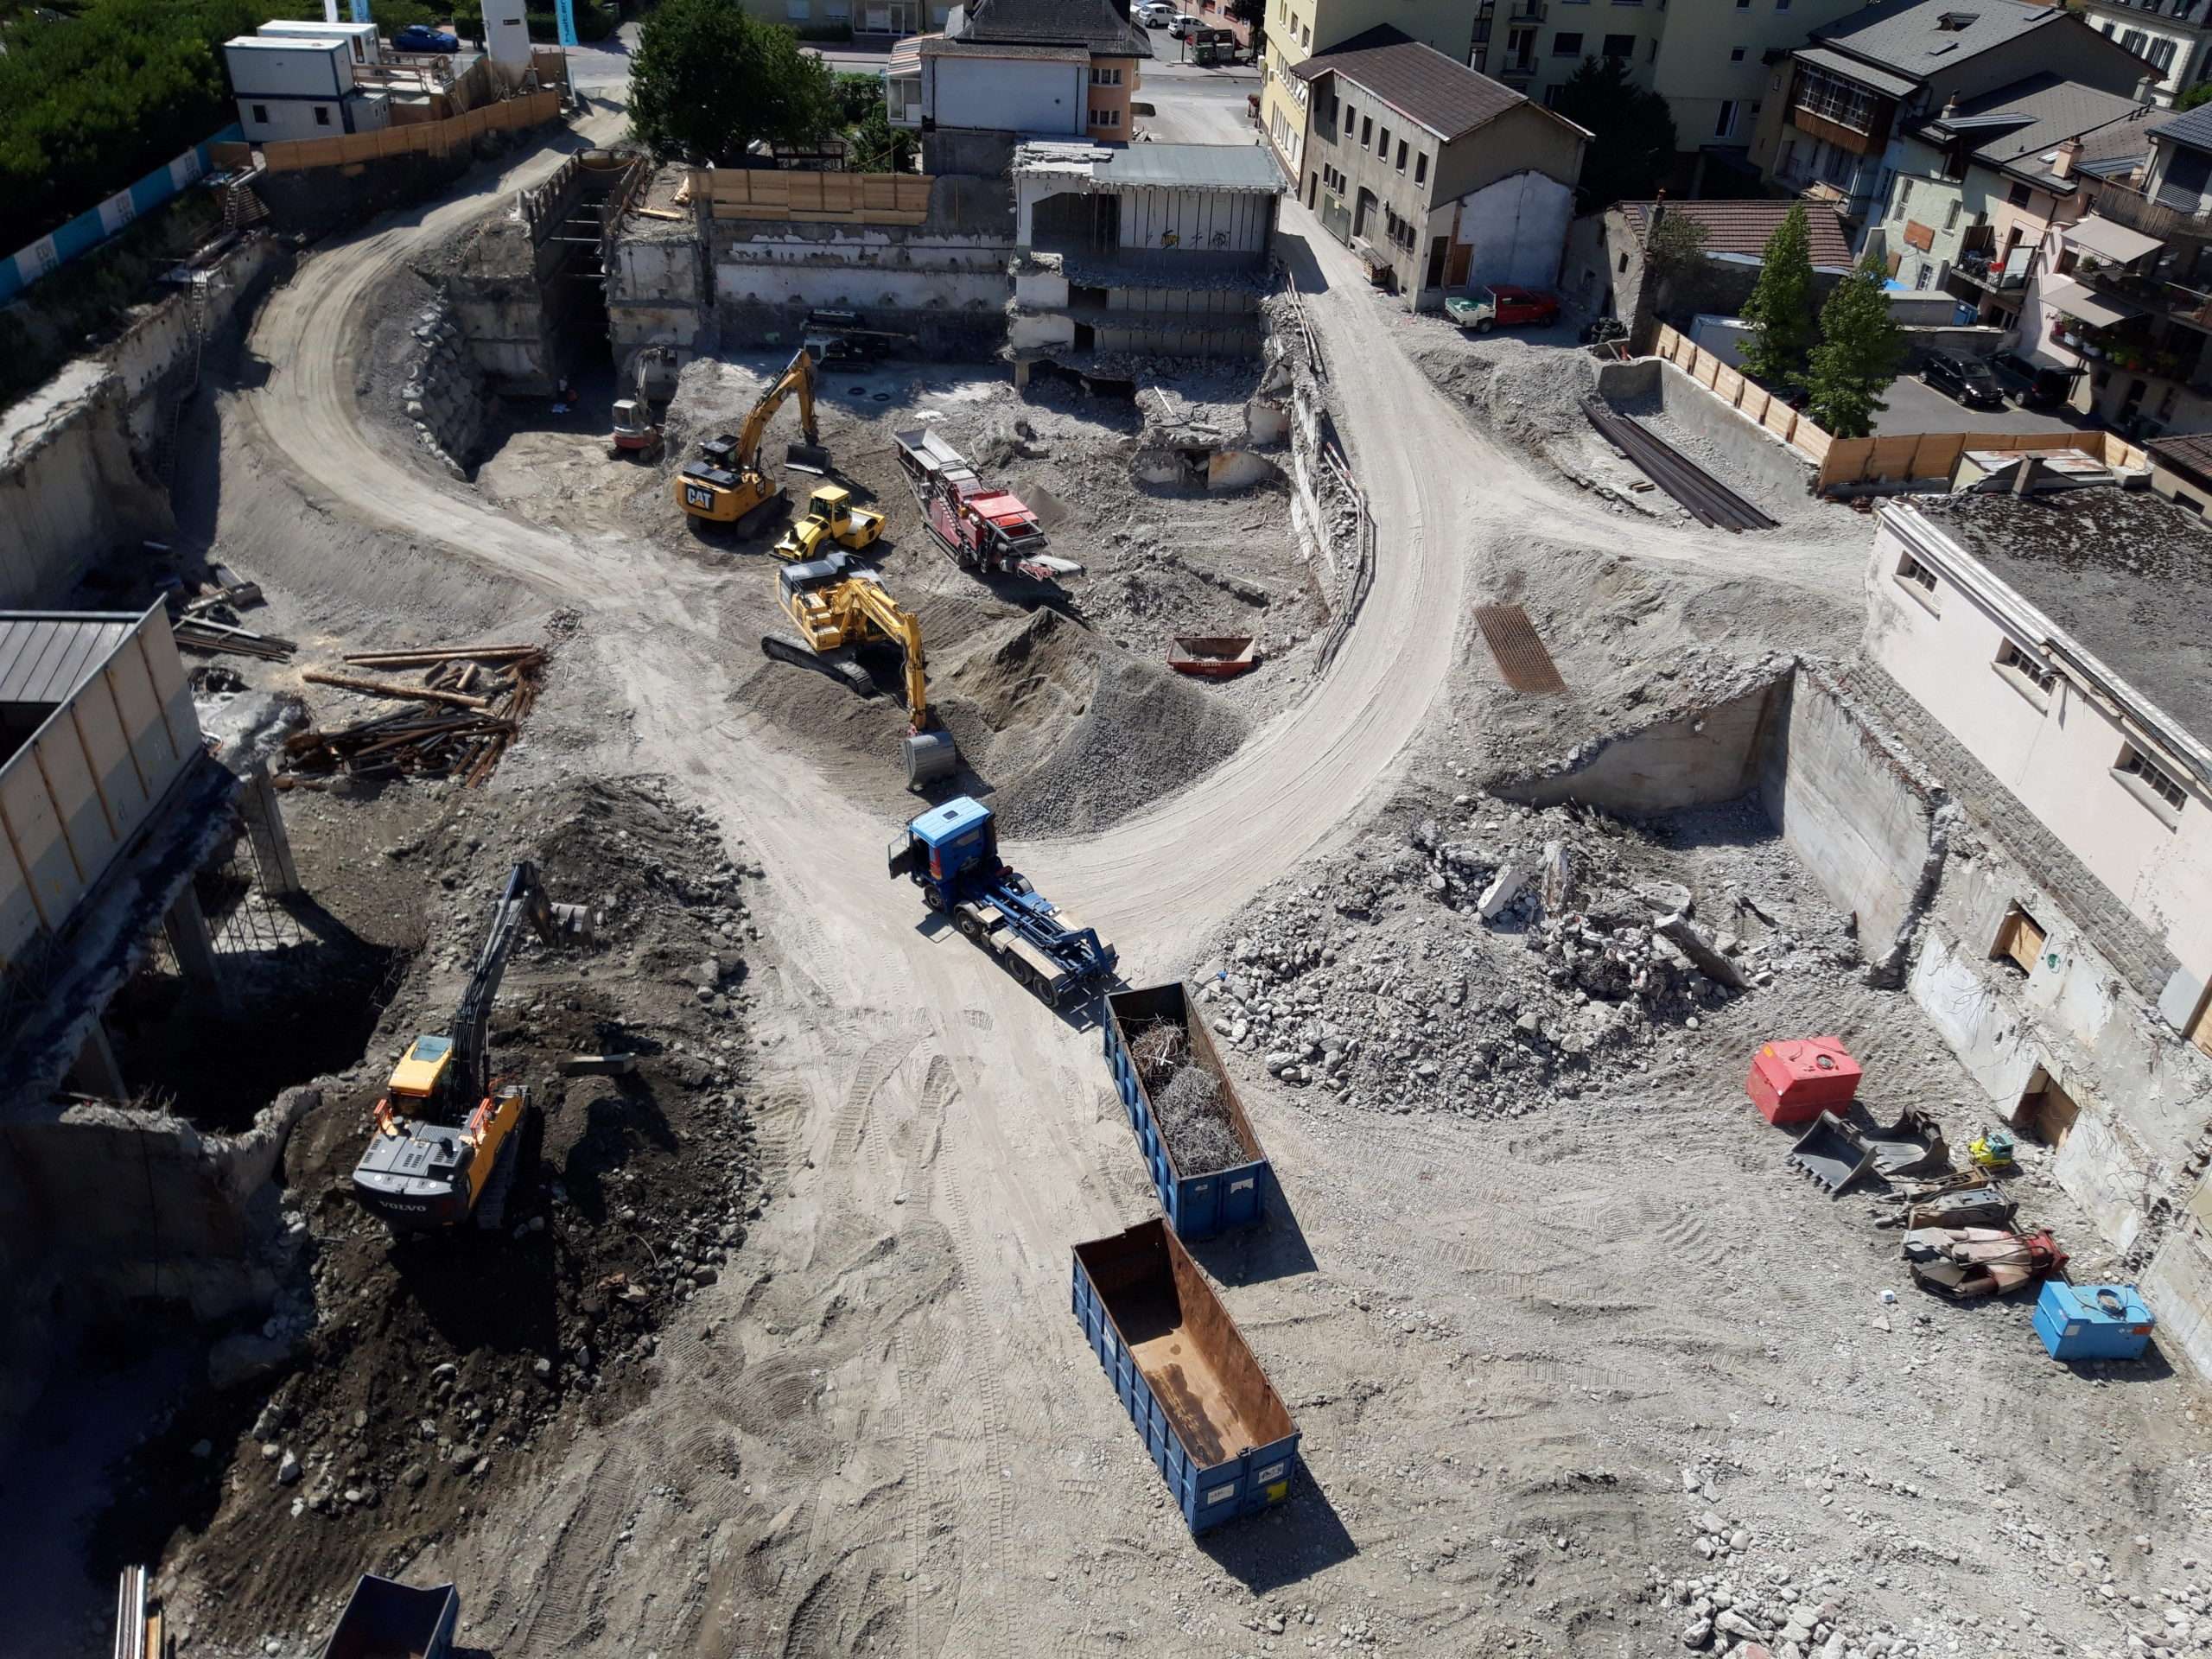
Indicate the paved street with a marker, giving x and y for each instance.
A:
(1916, 407)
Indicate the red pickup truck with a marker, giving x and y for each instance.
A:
(1482, 309)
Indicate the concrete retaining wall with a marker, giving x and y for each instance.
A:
(76, 478)
(1744, 444)
(1709, 757)
(1856, 809)
(103, 1206)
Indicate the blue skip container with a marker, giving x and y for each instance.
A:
(2094, 1321)
(1214, 1426)
(1212, 1201)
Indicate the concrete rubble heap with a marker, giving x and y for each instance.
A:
(1482, 965)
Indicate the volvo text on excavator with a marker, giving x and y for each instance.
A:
(726, 486)
(449, 1135)
(837, 610)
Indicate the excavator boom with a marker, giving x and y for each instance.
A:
(807, 457)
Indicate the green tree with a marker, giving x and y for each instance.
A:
(876, 145)
(1632, 134)
(1858, 357)
(2200, 93)
(1780, 311)
(709, 80)
(1253, 14)
(1675, 247)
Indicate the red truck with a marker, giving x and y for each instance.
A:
(1502, 306)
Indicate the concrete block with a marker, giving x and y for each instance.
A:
(2178, 1002)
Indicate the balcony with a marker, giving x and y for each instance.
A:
(1526, 11)
(1518, 69)
(2154, 294)
(2125, 204)
(1986, 275)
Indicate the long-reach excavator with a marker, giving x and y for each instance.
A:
(726, 486)
(449, 1134)
(837, 610)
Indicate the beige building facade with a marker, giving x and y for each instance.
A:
(1299, 29)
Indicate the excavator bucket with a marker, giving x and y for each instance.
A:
(807, 458)
(1832, 1154)
(928, 755)
(574, 922)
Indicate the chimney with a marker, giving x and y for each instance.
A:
(2145, 90)
(2024, 482)
(1951, 104)
(2062, 165)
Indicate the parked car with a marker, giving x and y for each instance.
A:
(420, 37)
(2029, 384)
(1156, 14)
(1181, 25)
(1502, 306)
(1967, 378)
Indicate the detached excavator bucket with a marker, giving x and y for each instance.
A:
(807, 458)
(1832, 1154)
(574, 922)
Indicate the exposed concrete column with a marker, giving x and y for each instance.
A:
(186, 928)
(264, 822)
(96, 1071)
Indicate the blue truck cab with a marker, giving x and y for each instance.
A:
(951, 853)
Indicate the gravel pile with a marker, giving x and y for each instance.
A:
(1144, 733)
(1380, 979)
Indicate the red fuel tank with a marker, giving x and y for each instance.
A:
(1795, 1080)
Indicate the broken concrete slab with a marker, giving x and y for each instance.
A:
(1690, 939)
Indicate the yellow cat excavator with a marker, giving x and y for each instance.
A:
(726, 486)
(447, 1135)
(838, 611)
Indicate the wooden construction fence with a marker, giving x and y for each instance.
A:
(1933, 454)
(1745, 395)
(833, 198)
(417, 139)
(1877, 460)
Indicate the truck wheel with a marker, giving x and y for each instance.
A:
(1485, 325)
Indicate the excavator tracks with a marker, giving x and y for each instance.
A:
(782, 648)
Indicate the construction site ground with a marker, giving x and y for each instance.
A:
(1576, 1362)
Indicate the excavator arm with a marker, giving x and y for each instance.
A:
(521, 903)
(797, 376)
(887, 619)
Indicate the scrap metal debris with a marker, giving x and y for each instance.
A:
(1187, 1101)
(475, 700)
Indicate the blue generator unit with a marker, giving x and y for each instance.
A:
(2094, 1321)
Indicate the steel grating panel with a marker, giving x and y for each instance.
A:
(1521, 655)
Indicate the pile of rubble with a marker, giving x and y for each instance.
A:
(1483, 962)
(446, 395)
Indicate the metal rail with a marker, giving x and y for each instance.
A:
(1711, 503)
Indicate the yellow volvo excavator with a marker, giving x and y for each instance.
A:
(449, 1134)
(726, 486)
(837, 610)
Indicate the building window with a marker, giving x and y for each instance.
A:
(2018, 195)
(1923, 276)
(1723, 124)
(1916, 578)
(1566, 44)
(1782, 5)
(1620, 46)
(261, 114)
(1401, 154)
(1736, 55)
(1367, 132)
(2162, 55)
(1421, 170)
(2138, 768)
(1833, 98)
(1904, 199)
(321, 115)
(1106, 118)
(1306, 35)
(2020, 940)
(2025, 671)
(1105, 77)
(1622, 267)
(1383, 149)
(1652, 56)
(796, 11)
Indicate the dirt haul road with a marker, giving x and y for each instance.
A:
(883, 1433)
